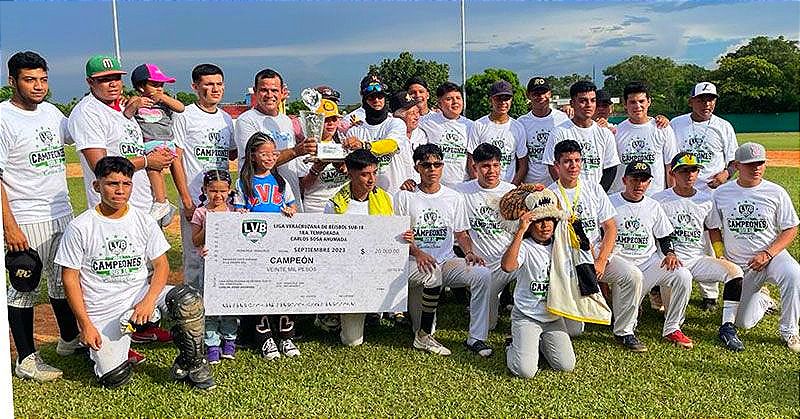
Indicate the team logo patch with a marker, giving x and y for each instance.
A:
(117, 246)
(430, 217)
(684, 218)
(746, 208)
(695, 142)
(254, 230)
(638, 144)
(632, 224)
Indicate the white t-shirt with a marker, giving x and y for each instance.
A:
(598, 149)
(354, 208)
(489, 238)
(281, 129)
(451, 136)
(358, 114)
(593, 207)
(33, 162)
(418, 137)
(434, 219)
(205, 139)
(112, 256)
(713, 142)
(508, 137)
(689, 216)
(646, 142)
(639, 224)
(93, 124)
(395, 168)
(536, 132)
(533, 280)
(751, 218)
(329, 181)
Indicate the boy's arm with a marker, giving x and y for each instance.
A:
(72, 289)
(173, 104)
(198, 235)
(179, 178)
(144, 308)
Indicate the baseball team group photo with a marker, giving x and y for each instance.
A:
(415, 243)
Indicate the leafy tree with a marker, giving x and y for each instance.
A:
(745, 89)
(395, 72)
(6, 92)
(477, 90)
(560, 84)
(66, 108)
(669, 83)
(187, 98)
(294, 107)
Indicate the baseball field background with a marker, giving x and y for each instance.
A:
(385, 377)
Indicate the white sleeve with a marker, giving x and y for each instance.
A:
(552, 138)
(473, 137)
(6, 144)
(179, 130)
(288, 194)
(610, 156)
(662, 226)
(400, 207)
(786, 216)
(397, 131)
(87, 129)
(63, 127)
(231, 139)
(670, 148)
(460, 218)
(731, 144)
(244, 129)
(520, 140)
(70, 250)
(714, 219)
(605, 210)
(157, 244)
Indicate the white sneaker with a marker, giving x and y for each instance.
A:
(793, 343)
(288, 348)
(159, 209)
(269, 350)
(33, 367)
(67, 348)
(426, 342)
(770, 306)
(167, 219)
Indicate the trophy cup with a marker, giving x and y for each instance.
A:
(312, 123)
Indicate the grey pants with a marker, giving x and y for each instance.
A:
(530, 336)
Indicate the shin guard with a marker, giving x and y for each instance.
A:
(185, 306)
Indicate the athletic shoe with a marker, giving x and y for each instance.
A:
(33, 367)
(152, 333)
(269, 350)
(480, 348)
(170, 215)
(159, 210)
(67, 348)
(228, 348)
(288, 348)
(793, 343)
(213, 354)
(426, 342)
(400, 319)
(727, 334)
(328, 322)
(708, 304)
(135, 358)
(770, 306)
(507, 343)
(655, 301)
(678, 338)
(631, 343)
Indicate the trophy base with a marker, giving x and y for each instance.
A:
(315, 159)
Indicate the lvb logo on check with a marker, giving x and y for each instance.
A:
(254, 230)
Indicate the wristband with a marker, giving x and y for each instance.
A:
(768, 253)
(719, 248)
(145, 161)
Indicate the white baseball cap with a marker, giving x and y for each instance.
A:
(704, 88)
(750, 152)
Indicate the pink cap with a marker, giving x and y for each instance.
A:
(150, 72)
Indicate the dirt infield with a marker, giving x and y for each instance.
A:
(784, 158)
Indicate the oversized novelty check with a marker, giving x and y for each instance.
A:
(261, 263)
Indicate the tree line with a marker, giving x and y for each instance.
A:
(762, 76)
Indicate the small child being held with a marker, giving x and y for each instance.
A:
(152, 109)
(220, 337)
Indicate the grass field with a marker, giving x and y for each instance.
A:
(385, 377)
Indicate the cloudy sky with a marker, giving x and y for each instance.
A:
(334, 42)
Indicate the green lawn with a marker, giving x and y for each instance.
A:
(387, 378)
(772, 140)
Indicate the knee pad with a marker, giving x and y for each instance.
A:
(185, 304)
(118, 376)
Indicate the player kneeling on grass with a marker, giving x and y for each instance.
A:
(533, 328)
(362, 197)
(641, 224)
(689, 210)
(104, 254)
(756, 221)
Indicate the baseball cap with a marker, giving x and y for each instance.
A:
(416, 80)
(685, 159)
(501, 87)
(704, 88)
(24, 269)
(328, 108)
(603, 97)
(401, 100)
(750, 152)
(149, 72)
(538, 84)
(638, 168)
(329, 93)
(372, 84)
(103, 65)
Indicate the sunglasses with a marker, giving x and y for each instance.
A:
(431, 164)
(374, 88)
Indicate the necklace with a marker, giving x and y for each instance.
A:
(571, 205)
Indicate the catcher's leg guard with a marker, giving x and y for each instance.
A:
(185, 306)
(118, 376)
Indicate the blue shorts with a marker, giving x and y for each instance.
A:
(152, 145)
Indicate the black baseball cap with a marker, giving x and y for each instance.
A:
(24, 269)
(603, 97)
(372, 84)
(401, 100)
(538, 84)
(501, 87)
(638, 168)
(329, 93)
